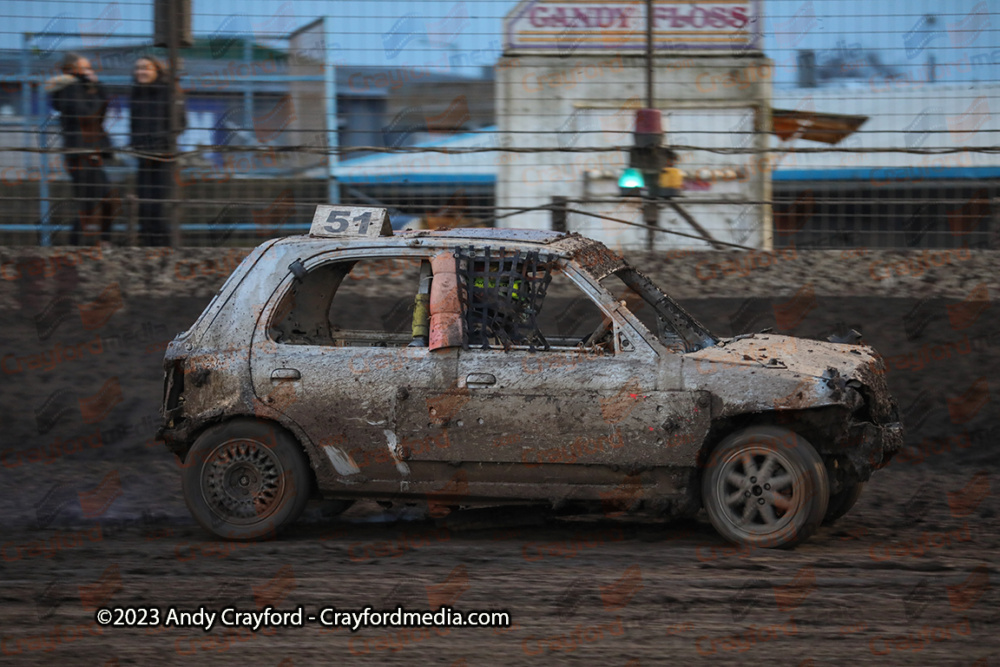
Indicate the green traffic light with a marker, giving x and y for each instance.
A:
(631, 179)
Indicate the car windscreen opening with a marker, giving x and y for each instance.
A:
(673, 326)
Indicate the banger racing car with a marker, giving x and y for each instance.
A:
(482, 367)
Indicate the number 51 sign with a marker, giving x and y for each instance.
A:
(350, 221)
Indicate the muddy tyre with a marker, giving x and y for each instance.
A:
(765, 487)
(332, 507)
(842, 502)
(246, 479)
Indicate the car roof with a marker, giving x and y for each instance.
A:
(517, 236)
(593, 254)
(541, 236)
(561, 243)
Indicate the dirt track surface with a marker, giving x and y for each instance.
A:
(93, 516)
(902, 590)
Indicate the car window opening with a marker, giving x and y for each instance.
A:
(379, 302)
(502, 294)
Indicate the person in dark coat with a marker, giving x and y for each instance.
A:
(150, 108)
(82, 103)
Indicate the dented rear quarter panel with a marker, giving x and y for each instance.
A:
(212, 356)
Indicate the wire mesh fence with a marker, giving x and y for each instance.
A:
(833, 123)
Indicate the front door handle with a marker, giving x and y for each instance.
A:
(480, 380)
(285, 374)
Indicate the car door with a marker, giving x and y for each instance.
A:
(549, 416)
(330, 353)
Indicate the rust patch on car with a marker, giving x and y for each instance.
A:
(800, 397)
(442, 408)
(616, 408)
(591, 255)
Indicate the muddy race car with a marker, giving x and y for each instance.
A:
(483, 367)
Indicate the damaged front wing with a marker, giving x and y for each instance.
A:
(872, 446)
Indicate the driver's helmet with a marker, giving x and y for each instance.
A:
(515, 292)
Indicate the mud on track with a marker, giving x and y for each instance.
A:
(897, 583)
(94, 516)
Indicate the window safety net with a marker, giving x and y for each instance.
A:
(502, 294)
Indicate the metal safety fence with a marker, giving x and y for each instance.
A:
(831, 123)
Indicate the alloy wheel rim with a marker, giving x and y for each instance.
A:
(242, 481)
(758, 491)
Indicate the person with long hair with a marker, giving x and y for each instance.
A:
(82, 103)
(150, 134)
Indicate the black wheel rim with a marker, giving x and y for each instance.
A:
(758, 491)
(242, 482)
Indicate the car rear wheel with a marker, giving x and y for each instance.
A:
(246, 479)
(765, 487)
(842, 501)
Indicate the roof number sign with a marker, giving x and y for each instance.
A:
(603, 26)
(335, 221)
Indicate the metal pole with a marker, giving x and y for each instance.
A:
(248, 86)
(43, 175)
(332, 136)
(650, 208)
(649, 54)
(26, 97)
(764, 190)
(694, 223)
(27, 92)
(173, 126)
(650, 218)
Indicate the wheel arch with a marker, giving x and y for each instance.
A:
(813, 424)
(276, 419)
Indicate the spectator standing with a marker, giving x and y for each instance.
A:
(82, 103)
(150, 134)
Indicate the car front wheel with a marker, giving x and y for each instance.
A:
(246, 479)
(765, 487)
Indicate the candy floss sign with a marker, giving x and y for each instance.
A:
(552, 26)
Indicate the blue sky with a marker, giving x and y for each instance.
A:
(393, 33)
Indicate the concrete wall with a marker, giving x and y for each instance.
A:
(199, 272)
(79, 323)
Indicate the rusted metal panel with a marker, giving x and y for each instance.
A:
(809, 357)
(222, 299)
(590, 255)
(628, 427)
(766, 372)
(491, 234)
(346, 397)
(612, 486)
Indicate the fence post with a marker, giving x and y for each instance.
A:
(131, 220)
(559, 213)
(173, 37)
(248, 86)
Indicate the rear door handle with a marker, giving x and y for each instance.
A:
(479, 380)
(285, 374)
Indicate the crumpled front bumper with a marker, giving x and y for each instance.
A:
(873, 446)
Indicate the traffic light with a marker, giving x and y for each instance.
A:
(651, 170)
(631, 183)
(670, 182)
